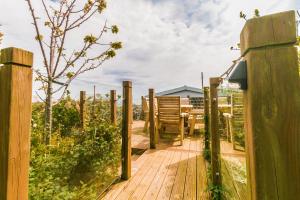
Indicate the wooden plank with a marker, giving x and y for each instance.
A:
(191, 174)
(140, 167)
(178, 187)
(15, 119)
(202, 186)
(147, 180)
(136, 180)
(126, 130)
(156, 185)
(166, 188)
(143, 186)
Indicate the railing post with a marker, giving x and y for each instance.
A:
(113, 107)
(126, 129)
(215, 134)
(206, 118)
(15, 118)
(82, 107)
(272, 106)
(153, 139)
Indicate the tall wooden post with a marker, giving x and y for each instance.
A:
(215, 134)
(206, 118)
(15, 118)
(126, 130)
(113, 107)
(272, 106)
(82, 107)
(153, 139)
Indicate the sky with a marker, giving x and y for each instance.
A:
(166, 43)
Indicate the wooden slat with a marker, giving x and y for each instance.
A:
(166, 189)
(202, 186)
(156, 184)
(135, 181)
(143, 186)
(141, 163)
(178, 188)
(191, 179)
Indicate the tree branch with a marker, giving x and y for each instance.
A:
(38, 33)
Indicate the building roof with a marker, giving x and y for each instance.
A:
(179, 89)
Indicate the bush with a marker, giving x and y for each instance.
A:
(82, 163)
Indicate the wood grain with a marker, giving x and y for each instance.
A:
(126, 129)
(15, 120)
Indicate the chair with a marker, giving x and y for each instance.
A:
(169, 114)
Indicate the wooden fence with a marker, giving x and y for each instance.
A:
(15, 120)
(272, 109)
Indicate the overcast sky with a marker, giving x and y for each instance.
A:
(167, 43)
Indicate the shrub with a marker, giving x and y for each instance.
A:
(82, 162)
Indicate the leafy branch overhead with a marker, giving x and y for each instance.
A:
(63, 65)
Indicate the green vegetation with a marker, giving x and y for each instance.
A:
(76, 162)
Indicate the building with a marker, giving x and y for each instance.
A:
(184, 91)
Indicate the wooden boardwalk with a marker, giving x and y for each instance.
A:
(174, 172)
(168, 172)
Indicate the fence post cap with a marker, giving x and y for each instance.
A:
(275, 29)
(16, 56)
(127, 83)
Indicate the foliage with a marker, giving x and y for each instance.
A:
(256, 13)
(80, 163)
(217, 192)
(207, 155)
(66, 116)
(244, 16)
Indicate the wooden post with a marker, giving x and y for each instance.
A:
(272, 106)
(113, 107)
(215, 134)
(206, 118)
(15, 118)
(153, 136)
(126, 130)
(82, 109)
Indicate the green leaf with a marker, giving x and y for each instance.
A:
(90, 39)
(116, 45)
(115, 29)
(101, 6)
(70, 74)
(39, 37)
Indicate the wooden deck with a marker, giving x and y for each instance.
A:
(174, 172)
(168, 172)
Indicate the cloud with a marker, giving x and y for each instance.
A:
(167, 43)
